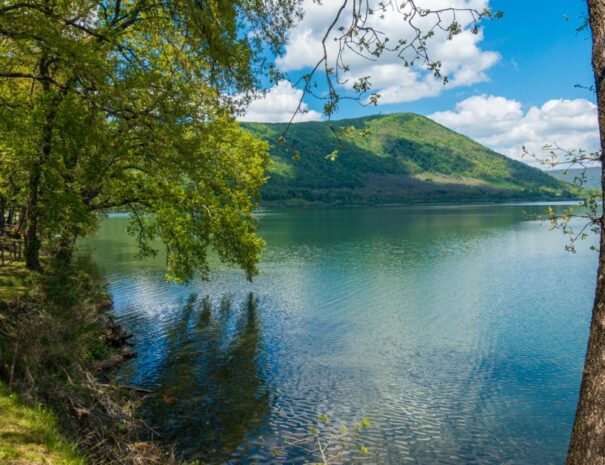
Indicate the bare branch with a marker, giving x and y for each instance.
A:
(361, 37)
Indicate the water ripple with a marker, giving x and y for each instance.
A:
(459, 332)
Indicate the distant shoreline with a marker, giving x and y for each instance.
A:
(267, 207)
(310, 205)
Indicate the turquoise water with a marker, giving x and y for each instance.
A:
(459, 332)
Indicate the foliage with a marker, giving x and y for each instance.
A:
(393, 158)
(56, 343)
(580, 171)
(59, 318)
(130, 104)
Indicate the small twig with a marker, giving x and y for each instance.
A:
(323, 457)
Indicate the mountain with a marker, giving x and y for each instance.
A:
(592, 176)
(403, 158)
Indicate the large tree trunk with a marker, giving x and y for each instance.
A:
(32, 241)
(31, 249)
(587, 445)
(3, 205)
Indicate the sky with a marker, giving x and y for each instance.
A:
(513, 84)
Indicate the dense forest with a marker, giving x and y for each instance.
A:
(396, 158)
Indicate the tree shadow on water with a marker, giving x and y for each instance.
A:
(213, 393)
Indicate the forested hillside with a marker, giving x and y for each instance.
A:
(392, 158)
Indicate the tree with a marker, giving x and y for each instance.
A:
(587, 446)
(131, 104)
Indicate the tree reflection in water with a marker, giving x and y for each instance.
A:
(212, 390)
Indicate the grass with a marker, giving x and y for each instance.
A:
(13, 280)
(29, 435)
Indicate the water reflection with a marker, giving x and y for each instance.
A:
(212, 392)
(459, 331)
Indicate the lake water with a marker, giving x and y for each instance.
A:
(459, 332)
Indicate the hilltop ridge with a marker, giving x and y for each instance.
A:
(403, 158)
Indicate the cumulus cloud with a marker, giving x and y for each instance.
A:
(278, 105)
(503, 125)
(462, 59)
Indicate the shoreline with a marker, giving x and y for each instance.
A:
(64, 371)
(303, 204)
(264, 207)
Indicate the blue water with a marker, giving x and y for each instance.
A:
(459, 332)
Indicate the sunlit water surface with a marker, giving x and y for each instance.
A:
(458, 331)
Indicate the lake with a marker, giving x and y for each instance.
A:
(458, 331)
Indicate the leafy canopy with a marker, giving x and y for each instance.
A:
(129, 104)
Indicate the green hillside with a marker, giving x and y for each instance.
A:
(404, 158)
(591, 176)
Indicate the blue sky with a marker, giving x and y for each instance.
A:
(512, 85)
(543, 57)
(551, 57)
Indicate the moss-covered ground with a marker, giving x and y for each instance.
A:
(13, 280)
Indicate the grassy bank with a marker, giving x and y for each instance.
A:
(13, 280)
(57, 344)
(30, 435)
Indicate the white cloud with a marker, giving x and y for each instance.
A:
(462, 59)
(502, 124)
(278, 105)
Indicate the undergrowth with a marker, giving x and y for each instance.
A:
(57, 341)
